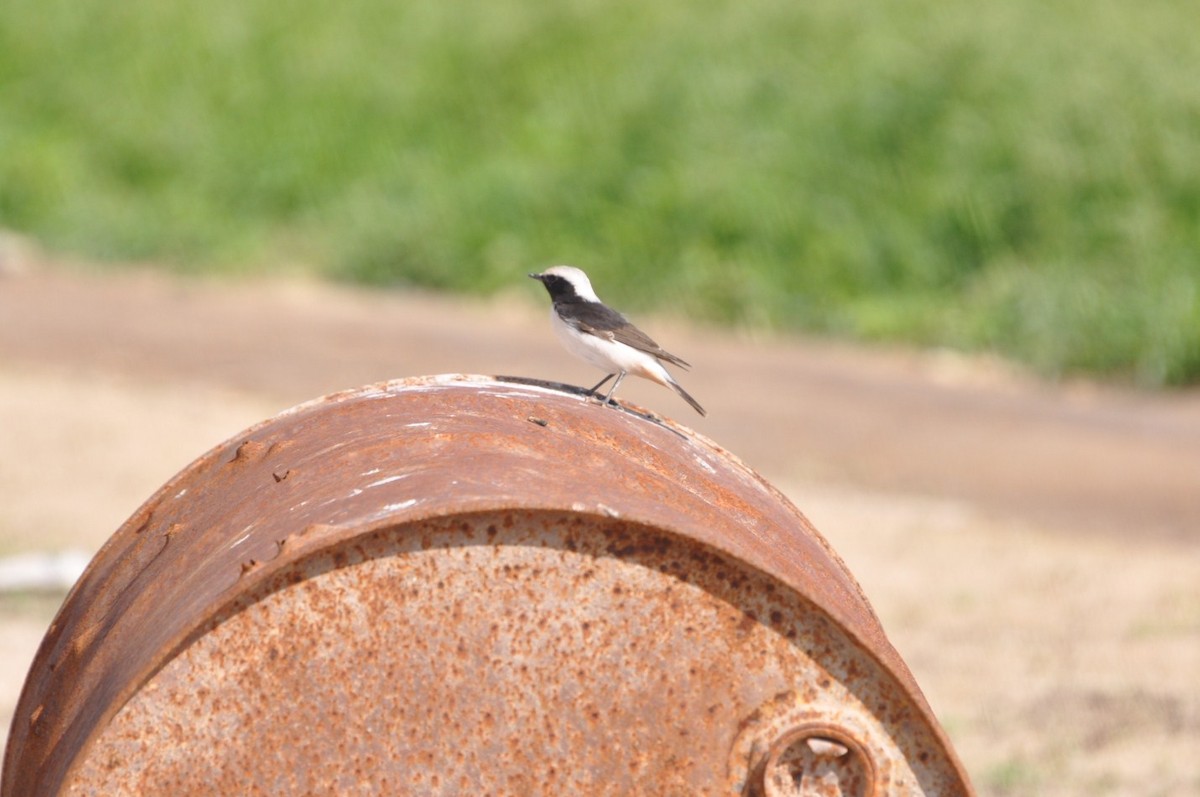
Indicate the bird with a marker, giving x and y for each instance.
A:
(601, 336)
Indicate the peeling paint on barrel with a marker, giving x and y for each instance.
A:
(442, 596)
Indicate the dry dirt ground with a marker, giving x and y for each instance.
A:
(1032, 550)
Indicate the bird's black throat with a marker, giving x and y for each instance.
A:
(560, 289)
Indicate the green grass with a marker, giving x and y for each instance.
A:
(1022, 177)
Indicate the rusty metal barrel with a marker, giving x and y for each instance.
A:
(470, 585)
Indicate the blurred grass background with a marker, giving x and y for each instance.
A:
(1022, 177)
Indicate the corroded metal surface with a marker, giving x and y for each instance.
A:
(467, 585)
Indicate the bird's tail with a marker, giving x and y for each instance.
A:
(683, 394)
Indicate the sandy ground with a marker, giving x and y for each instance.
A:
(1033, 550)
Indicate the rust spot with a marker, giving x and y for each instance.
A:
(143, 521)
(279, 445)
(248, 451)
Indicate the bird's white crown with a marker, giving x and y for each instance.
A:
(578, 280)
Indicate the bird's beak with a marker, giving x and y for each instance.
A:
(535, 276)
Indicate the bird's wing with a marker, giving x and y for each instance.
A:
(602, 321)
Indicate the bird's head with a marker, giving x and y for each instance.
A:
(567, 283)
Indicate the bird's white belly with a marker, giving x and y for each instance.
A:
(607, 355)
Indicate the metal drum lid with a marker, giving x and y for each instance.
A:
(471, 585)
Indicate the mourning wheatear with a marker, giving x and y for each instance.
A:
(603, 337)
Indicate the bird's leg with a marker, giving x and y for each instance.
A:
(613, 389)
(596, 386)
